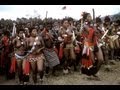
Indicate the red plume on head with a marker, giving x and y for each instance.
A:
(107, 19)
(83, 13)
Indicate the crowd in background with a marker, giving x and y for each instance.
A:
(31, 47)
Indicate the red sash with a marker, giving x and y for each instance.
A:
(26, 69)
(13, 65)
(60, 52)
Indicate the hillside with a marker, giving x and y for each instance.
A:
(113, 17)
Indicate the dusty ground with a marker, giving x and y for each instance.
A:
(75, 78)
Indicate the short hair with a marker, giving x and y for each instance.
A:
(70, 19)
(65, 19)
(98, 20)
(30, 29)
(20, 30)
(107, 19)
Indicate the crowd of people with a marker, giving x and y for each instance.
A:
(29, 49)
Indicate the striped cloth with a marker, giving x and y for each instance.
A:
(51, 58)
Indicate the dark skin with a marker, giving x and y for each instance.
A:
(66, 35)
(63, 32)
(116, 42)
(20, 47)
(97, 54)
(31, 40)
(107, 26)
(36, 66)
(20, 42)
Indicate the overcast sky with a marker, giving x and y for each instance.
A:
(55, 11)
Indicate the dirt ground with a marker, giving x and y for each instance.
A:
(107, 77)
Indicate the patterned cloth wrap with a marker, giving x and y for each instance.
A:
(51, 58)
(32, 57)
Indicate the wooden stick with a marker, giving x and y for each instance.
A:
(93, 16)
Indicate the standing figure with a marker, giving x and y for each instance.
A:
(110, 41)
(5, 59)
(35, 46)
(52, 60)
(98, 35)
(66, 37)
(19, 54)
(115, 29)
(89, 60)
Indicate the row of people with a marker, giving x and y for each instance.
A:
(38, 50)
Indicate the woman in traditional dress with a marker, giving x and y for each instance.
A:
(19, 54)
(89, 66)
(102, 42)
(36, 58)
(116, 41)
(66, 37)
(110, 46)
(98, 37)
(52, 60)
(5, 59)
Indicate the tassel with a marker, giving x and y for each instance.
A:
(84, 62)
(90, 61)
(26, 70)
(60, 52)
(88, 51)
(84, 50)
(13, 65)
